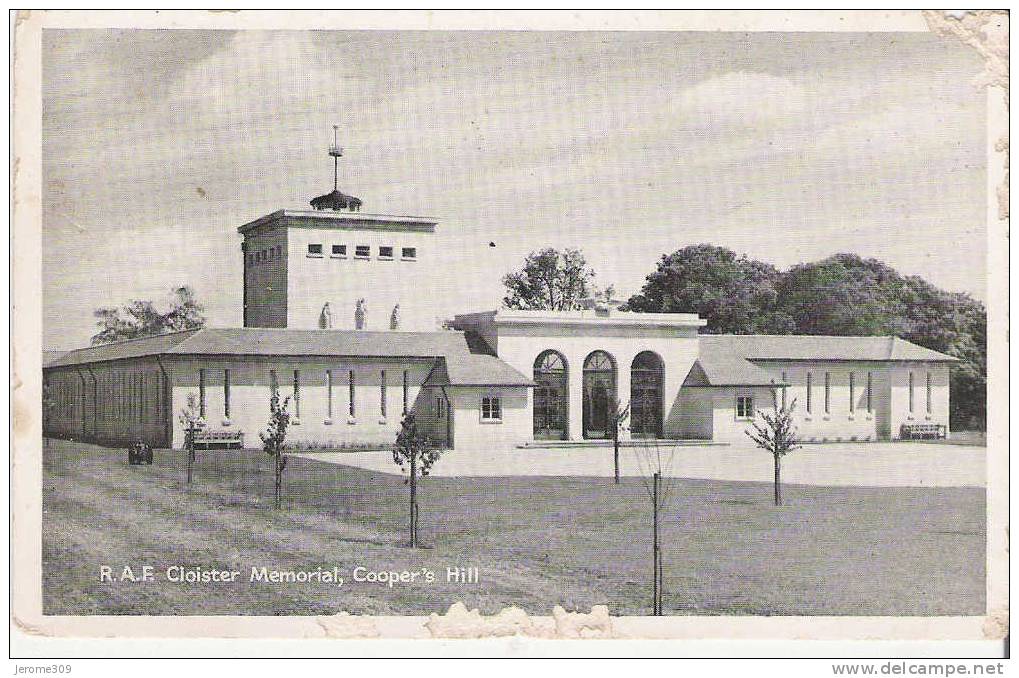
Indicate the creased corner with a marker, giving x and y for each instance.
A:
(986, 31)
(459, 622)
(346, 625)
(996, 624)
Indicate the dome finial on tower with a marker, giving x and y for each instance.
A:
(336, 201)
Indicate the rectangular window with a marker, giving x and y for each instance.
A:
(315, 249)
(929, 404)
(350, 407)
(339, 250)
(439, 403)
(226, 394)
(201, 393)
(852, 392)
(910, 392)
(785, 388)
(297, 394)
(744, 407)
(827, 392)
(386, 252)
(329, 394)
(491, 409)
(870, 392)
(810, 392)
(409, 253)
(382, 394)
(406, 390)
(362, 251)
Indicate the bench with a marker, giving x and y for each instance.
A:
(923, 431)
(206, 439)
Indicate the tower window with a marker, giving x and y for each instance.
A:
(386, 252)
(409, 253)
(339, 250)
(362, 251)
(315, 249)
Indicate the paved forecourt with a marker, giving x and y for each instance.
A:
(892, 464)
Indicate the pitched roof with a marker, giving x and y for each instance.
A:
(462, 366)
(810, 347)
(727, 359)
(717, 368)
(50, 356)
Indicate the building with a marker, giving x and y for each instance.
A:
(335, 319)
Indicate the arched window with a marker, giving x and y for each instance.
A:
(646, 391)
(550, 396)
(599, 394)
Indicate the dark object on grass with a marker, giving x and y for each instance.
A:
(139, 453)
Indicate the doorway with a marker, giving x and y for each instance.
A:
(550, 397)
(599, 394)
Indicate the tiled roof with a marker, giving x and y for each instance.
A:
(50, 356)
(717, 368)
(809, 347)
(463, 366)
(727, 359)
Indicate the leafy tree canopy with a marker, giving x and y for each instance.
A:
(143, 319)
(844, 294)
(550, 280)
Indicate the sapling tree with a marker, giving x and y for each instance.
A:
(618, 414)
(415, 454)
(192, 421)
(274, 441)
(777, 435)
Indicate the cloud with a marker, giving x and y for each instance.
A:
(741, 98)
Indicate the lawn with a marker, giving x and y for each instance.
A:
(538, 541)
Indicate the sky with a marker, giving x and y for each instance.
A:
(788, 147)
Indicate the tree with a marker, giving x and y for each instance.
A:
(191, 419)
(550, 280)
(274, 441)
(844, 294)
(618, 414)
(414, 453)
(142, 318)
(736, 295)
(776, 435)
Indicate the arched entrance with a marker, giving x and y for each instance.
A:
(646, 386)
(599, 393)
(550, 396)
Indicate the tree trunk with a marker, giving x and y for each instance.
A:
(654, 549)
(279, 479)
(615, 446)
(189, 445)
(778, 480)
(413, 503)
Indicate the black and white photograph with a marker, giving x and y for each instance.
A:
(533, 331)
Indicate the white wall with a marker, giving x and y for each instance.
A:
(265, 282)
(520, 345)
(250, 388)
(313, 281)
(900, 411)
(473, 434)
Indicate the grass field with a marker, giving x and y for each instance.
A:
(538, 541)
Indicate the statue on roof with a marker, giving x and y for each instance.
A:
(360, 315)
(325, 320)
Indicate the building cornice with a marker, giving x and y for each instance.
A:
(340, 220)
